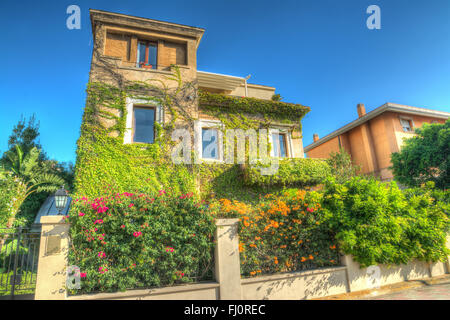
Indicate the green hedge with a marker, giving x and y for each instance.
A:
(378, 223)
(125, 240)
(291, 172)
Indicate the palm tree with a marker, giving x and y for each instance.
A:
(31, 179)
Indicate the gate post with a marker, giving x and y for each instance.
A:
(227, 261)
(53, 259)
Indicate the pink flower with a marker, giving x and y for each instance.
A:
(130, 205)
(83, 274)
(99, 221)
(102, 209)
(122, 226)
(102, 270)
(80, 214)
(310, 209)
(137, 233)
(101, 254)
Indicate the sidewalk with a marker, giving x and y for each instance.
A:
(437, 288)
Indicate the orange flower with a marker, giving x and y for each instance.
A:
(304, 259)
(241, 247)
(257, 238)
(311, 257)
(300, 242)
(333, 247)
(283, 246)
(275, 260)
(252, 273)
(253, 245)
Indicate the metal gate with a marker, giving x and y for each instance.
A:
(19, 253)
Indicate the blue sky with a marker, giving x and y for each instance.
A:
(318, 53)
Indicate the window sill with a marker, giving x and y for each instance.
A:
(146, 70)
(211, 160)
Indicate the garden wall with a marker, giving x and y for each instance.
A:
(229, 285)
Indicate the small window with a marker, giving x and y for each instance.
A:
(406, 125)
(279, 145)
(147, 54)
(210, 148)
(144, 125)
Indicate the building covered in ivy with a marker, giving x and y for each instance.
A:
(144, 84)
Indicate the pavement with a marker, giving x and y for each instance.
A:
(430, 292)
(437, 288)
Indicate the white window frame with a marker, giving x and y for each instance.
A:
(410, 121)
(289, 148)
(130, 103)
(206, 124)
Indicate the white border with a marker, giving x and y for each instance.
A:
(289, 149)
(130, 102)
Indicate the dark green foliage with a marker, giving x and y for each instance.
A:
(378, 224)
(425, 157)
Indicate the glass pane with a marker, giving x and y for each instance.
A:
(144, 119)
(152, 49)
(141, 52)
(282, 143)
(405, 124)
(275, 145)
(279, 145)
(209, 144)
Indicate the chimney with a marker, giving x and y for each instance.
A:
(361, 110)
(315, 137)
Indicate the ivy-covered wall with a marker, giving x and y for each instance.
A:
(104, 160)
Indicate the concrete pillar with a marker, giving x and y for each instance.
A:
(227, 263)
(53, 259)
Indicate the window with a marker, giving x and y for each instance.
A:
(143, 124)
(406, 125)
(147, 54)
(279, 145)
(210, 148)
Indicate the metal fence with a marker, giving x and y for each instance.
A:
(19, 253)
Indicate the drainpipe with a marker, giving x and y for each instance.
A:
(246, 90)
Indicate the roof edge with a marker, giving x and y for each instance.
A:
(389, 106)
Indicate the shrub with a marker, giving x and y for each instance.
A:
(291, 172)
(125, 240)
(378, 224)
(342, 166)
(10, 192)
(283, 233)
(425, 157)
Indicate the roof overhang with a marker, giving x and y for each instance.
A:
(394, 107)
(119, 19)
(218, 81)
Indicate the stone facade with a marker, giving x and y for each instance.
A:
(114, 61)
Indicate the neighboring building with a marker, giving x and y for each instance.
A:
(372, 138)
(128, 48)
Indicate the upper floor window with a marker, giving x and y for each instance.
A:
(279, 145)
(406, 125)
(147, 54)
(210, 143)
(143, 124)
